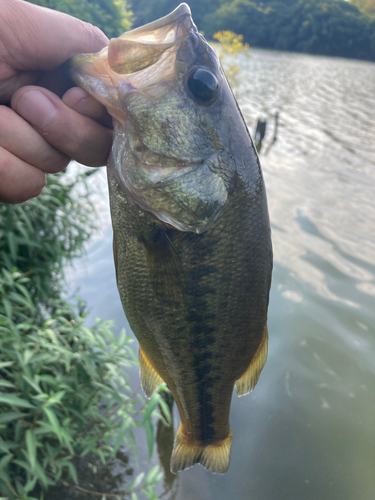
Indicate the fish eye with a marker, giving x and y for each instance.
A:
(203, 86)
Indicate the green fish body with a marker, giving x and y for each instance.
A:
(192, 242)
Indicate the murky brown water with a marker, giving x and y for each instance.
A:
(308, 430)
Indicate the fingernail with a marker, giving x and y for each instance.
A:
(75, 97)
(36, 108)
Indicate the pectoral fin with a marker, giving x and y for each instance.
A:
(165, 269)
(150, 379)
(249, 379)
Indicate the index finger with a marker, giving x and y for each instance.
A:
(73, 134)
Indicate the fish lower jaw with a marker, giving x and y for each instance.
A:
(156, 167)
(183, 193)
(157, 173)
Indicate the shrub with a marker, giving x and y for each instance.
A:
(63, 386)
(38, 236)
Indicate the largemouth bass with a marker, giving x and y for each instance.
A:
(192, 244)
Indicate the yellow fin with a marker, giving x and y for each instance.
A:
(249, 379)
(150, 379)
(214, 457)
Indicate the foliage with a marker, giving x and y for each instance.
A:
(366, 6)
(329, 27)
(146, 11)
(230, 45)
(63, 391)
(63, 388)
(38, 236)
(111, 16)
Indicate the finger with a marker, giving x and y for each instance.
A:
(22, 140)
(34, 39)
(75, 135)
(79, 100)
(9, 86)
(47, 37)
(18, 180)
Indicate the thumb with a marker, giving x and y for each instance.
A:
(36, 38)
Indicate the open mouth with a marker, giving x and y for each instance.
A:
(137, 49)
(140, 60)
(143, 47)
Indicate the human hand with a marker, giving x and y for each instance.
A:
(41, 132)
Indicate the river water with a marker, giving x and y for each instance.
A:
(308, 429)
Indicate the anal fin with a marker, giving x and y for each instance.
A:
(150, 379)
(247, 382)
(214, 457)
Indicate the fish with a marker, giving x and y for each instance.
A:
(192, 242)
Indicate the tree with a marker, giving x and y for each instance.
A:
(329, 27)
(111, 16)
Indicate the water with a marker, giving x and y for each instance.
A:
(308, 429)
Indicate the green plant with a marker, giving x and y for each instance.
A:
(63, 386)
(327, 27)
(38, 236)
(63, 393)
(111, 16)
(230, 45)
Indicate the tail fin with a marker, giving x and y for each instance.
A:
(214, 457)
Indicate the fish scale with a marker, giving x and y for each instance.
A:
(192, 242)
(211, 314)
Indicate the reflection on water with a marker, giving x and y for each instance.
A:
(164, 443)
(308, 429)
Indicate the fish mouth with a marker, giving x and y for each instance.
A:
(142, 47)
(140, 60)
(171, 28)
